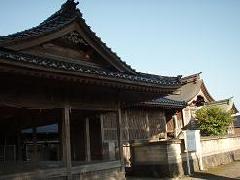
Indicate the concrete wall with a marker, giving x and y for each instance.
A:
(168, 159)
(220, 150)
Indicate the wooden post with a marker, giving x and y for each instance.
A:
(19, 140)
(127, 149)
(119, 133)
(105, 155)
(127, 126)
(102, 128)
(87, 140)
(19, 146)
(66, 150)
(4, 148)
(165, 122)
(175, 125)
(35, 148)
(148, 127)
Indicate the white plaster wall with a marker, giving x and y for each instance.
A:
(212, 146)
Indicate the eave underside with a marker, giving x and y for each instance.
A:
(46, 67)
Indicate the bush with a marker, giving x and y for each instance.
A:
(213, 121)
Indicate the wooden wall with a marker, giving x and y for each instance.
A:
(143, 124)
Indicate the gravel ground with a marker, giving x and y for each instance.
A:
(224, 172)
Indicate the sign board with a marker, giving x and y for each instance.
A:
(192, 140)
(193, 144)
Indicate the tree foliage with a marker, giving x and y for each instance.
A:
(213, 121)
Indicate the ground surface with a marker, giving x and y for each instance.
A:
(224, 172)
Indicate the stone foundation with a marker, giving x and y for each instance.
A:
(168, 159)
(110, 174)
(150, 171)
(220, 159)
(100, 171)
(157, 159)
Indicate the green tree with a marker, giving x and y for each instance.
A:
(213, 121)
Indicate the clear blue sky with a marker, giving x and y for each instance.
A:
(166, 37)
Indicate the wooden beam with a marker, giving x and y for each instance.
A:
(35, 101)
(87, 140)
(66, 150)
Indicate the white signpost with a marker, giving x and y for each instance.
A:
(193, 144)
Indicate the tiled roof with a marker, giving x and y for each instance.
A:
(68, 67)
(66, 15)
(164, 102)
(225, 104)
(62, 17)
(192, 85)
(187, 91)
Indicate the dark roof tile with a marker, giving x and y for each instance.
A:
(13, 56)
(67, 14)
(164, 102)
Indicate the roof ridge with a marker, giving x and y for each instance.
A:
(192, 77)
(222, 101)
(68, 9)
(68, 12)
(178, 77)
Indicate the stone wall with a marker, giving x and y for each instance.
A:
(110, 174)
(102, 171)
(157, 159)
(168, 158)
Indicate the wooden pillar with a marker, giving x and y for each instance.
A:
(175, 125)
(35, 148)
(184, 117)
(19, 146)
(19, 153)
(165, 123)
(148, 126)
(119, 133)
(105, 155)
(87, 140)
(127, 126)
(66, 144)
